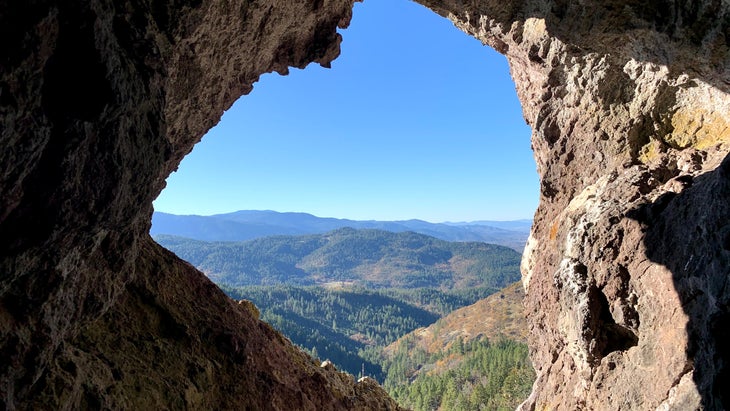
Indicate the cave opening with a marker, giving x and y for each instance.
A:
(415, 120)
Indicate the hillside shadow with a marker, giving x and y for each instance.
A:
(689, 233)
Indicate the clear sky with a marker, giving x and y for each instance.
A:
(415, 119)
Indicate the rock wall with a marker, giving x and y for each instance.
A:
(625, 272)
(628, 265)
(99, 102)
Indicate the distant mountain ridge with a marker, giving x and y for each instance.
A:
(251, 224)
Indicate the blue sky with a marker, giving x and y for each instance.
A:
(415, 119)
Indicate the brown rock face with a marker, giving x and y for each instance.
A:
(626, 272)
(627, 269)
(100, 100)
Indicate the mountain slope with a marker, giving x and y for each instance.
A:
(474, 358)
(499, 315)
(249, 224)
(372, 258)
(335, 323)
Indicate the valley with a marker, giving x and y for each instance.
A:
(475, 358)
(440, 324)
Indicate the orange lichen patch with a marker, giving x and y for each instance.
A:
(699, 129)
(554, 230)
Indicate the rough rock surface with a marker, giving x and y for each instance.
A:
(628, 266)
(626, 272)
(99, 102)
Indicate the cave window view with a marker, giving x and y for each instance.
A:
(404, 186)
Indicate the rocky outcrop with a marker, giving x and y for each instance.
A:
(627, 267)
(100, 100)
(625, 272)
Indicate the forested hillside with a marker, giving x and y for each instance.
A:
(369, 258)
(389, 305)
(498, 316)
(336, 324)
(445, 363)
(480, 374)
(475, 358)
